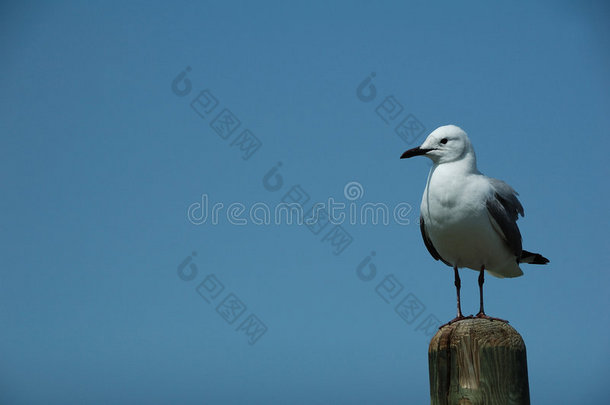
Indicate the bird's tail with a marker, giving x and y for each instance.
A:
(532, 258)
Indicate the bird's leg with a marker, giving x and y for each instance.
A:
(458, 285)
(481, 281)
(481, 313)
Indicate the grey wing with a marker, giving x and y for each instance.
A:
(428, 242)
(504, 209)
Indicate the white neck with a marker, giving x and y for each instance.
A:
(466, 165)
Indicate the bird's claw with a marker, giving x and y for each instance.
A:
(482, 315)
(457, 318)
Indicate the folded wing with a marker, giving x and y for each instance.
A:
(504, 209)
(428, 242)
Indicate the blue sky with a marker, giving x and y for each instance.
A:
(100, 160)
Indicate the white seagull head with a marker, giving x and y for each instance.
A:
(445, 144)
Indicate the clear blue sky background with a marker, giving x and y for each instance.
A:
(100, 159)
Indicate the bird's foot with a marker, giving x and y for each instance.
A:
(482, 315)
(457, 318)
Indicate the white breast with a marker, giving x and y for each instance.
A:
(458, 224)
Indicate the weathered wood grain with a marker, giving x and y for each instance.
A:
(478, 361)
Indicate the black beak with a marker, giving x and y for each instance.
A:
(414, 152)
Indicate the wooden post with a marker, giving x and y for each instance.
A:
(478, 361)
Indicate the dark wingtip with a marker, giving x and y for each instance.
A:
(533, 258)
(539, 259)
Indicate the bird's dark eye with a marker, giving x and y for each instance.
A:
(444, 141)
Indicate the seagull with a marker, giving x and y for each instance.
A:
(468, 219)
